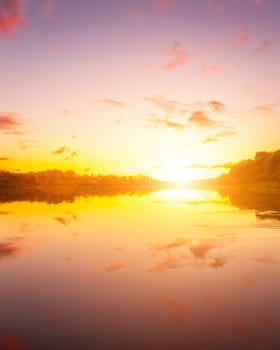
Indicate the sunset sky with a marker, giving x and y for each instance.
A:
(174, 89)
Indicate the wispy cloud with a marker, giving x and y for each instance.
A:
(201, 120)
(9, 121)
(167, 123)
(66, 220)
(62, 220)
(218, 136)
(266, 258)
(168, 106)
(10, 16)
(65, 150)
(179, 57)
(113, 103)
(60, 150)
(240, 36)
(217, 106)
(214, 166)
(264, 46)
(4, 158)
(242, 41)
(158, 247)
(265, 109)
(113, 267)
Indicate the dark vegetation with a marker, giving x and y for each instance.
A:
(55, 186)
(252, 183)
(263, 169)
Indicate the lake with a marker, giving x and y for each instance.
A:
(174, 269)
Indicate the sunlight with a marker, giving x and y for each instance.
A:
(180, 175)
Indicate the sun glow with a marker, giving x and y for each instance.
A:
(180, 175)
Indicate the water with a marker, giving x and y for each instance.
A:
(176, 269)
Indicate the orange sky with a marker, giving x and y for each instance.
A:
(165, 88)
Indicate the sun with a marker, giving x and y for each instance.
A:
(179, 175)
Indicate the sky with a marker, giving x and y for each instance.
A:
(175, 89)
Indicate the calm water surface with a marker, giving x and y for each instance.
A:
(176, 269)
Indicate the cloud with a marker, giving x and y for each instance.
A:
(4, 158)
(239, 36)
(66, 220)
(65, 150)
(265, 45)
(167, 123)
(200, 119)
(212, 68)
(217, 106)
(179, 57)
(178, 242)
(113, 103)
(160, 4)
(266, 258)
(10, 16)
(168, 106)
(218, 136)
(63, 221)
(267, 108)
(72, 154)
(15, 133)
(4, 213)
(214, 166)
(25, 143)
(60, 150)
(8, 121)
(113, 267)
(242, 41)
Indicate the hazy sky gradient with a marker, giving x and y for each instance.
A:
(134, 86)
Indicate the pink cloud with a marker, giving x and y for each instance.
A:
(265, 45)
(10, 16)
(242, 41)
(8, 121)
(163, 3)
(179, 57)
(167, 123)
(201, 120)
(217, 106)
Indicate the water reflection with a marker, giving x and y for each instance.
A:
(169, 270)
